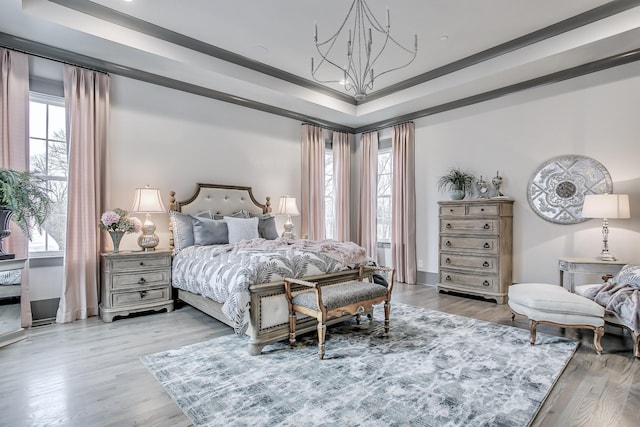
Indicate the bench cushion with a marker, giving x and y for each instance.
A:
(544, 297)
(341, 295)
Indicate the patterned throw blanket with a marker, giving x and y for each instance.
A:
(620, 295)
(224, 273)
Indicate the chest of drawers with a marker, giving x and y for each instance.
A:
(476, 247)
(134, 282)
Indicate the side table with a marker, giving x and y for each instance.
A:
(573, 266)
(134, 282)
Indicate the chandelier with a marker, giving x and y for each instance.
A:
(357, 65)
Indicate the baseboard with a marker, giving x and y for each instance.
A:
(426, 278)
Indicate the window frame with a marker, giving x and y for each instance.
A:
(384, 149)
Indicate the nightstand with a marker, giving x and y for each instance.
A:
(134, 282)
(573, 266)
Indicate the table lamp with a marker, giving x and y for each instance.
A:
(147, 200)
(288, 207)
(606, 206)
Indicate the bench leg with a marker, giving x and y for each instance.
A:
(292, 329)
(597, 336)
(322, 330)
(532, 328)
(387, 311)
(357, 318)
(636, 344)
(513, 316)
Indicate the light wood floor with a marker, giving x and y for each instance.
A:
(88, 373)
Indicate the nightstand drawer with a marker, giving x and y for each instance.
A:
(140, 263)
(141, 279)
(478, 245)
(448, 277)
(484, 264)
(120, 299)
(463, 226)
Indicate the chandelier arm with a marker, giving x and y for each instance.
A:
(371, 18)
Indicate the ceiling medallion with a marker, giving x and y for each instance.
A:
(356, 63)
(557, 188)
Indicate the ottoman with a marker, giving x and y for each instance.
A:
(554, 305)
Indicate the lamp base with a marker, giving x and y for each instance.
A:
(148, 240)
(288, 232)
(606, 257)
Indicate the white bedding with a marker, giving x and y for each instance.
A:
(225, 272)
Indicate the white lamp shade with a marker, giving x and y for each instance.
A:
(148, 200)
(606, 206)
(288, 206)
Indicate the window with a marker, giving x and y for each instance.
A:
(329, 194)
(48, 160)
(383, 219)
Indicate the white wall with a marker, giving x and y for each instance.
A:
(171, 140)
(595, 116)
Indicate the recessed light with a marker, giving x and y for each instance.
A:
(444, 38)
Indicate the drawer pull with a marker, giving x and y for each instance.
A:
(141, 262)
(447, 261)
(141, 281)
(447, 243)
(485, 264)
(447, 278)
(487, 245)
(481, 209)
(487, 227)
(450, 210)
(143, 294)
(448, 226)
(485, 283)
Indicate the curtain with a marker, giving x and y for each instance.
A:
(14, 114)
(87, 105)
(312, 182)
(403, 203)
(368, 193)
(342, 175)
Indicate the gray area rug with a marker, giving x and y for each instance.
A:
(433, 369)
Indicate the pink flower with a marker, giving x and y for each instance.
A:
(136, 223)
(109, 218)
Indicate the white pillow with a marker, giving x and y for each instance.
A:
(242, 228)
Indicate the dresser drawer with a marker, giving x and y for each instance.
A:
(482, 210)
(485, 264)
(477, 245)
(119, 299)
(487, 283)
(464, 226)
(458, 210)
(140, 263)
(141, 279)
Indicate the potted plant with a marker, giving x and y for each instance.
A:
(457, 181)
(25, 200)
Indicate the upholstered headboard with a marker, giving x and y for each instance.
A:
(220, 200)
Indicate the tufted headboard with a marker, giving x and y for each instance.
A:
(219, 199)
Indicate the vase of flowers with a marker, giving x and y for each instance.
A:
(117, 223)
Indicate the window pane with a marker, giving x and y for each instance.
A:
(385, 182)
(57, 159)
(37, 120)
(56, 123)
(38, 156)
(329, 195)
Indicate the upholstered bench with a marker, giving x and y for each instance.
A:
(335, 300)
(554, 305)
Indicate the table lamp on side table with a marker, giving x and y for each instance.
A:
(606, 206)
(147, 200)
(288, 207)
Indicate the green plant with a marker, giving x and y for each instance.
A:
(456, 179)
(26, 196)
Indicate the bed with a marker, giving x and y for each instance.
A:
(258, 306)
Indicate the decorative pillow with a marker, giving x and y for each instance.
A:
(267, 227)
(629, 275)
(209, 231)
(242, 228)
(243, 213)
(183, 229)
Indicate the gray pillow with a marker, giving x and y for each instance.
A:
(209, 231)
(267, 227)
(242, 228)
(183, 229)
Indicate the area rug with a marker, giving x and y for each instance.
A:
(433, 369)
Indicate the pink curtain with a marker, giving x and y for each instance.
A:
(14, 113)
(312, 209)
(342, 174)
(368, 193)
(87, 104)
(403, 204)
